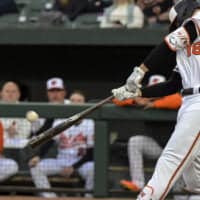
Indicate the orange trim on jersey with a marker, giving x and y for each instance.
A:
(150, 187)
(179, 167)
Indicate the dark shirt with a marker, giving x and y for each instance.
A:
(43, 149)
(74, 8)
(7, 6)
(164, 6)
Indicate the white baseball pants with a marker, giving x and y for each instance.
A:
(8, 167)
(180, 156)
(54, 166)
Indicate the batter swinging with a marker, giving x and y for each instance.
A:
(180, 48)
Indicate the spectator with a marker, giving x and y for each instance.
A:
(10, 93)
(74, 8)
(156, 11)
(56, 93)
(77, 97)
(8, 6)
(14, 128)
(75, 147)
(146, 145)
(123, 13)
(8, 167)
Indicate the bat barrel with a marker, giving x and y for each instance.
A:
(50, 133)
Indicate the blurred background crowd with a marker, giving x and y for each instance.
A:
(105, 13)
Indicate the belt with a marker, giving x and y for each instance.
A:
(190, 91)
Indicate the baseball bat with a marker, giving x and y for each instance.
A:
(50, 133)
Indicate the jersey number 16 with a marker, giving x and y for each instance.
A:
(193, 49)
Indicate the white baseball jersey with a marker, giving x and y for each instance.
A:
(188, 65)
(73, 142)
(181, 156)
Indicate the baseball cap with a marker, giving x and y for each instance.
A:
(55, 83)
(155, 79)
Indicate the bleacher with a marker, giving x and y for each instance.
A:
(36, 31)
(32, 11)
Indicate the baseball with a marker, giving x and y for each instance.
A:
(32, 116)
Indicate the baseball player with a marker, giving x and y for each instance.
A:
(75, 149)
(8, 166)
(180, 48)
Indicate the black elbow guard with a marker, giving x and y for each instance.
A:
(191, 29)
(161, 57)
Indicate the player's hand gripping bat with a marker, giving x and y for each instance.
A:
(50, 133)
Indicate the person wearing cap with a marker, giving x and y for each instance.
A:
(147, 145)
(56, 91)
(74, 154)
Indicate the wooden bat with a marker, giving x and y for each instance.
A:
(50, 133)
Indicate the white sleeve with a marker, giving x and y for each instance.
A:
(178, 39)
